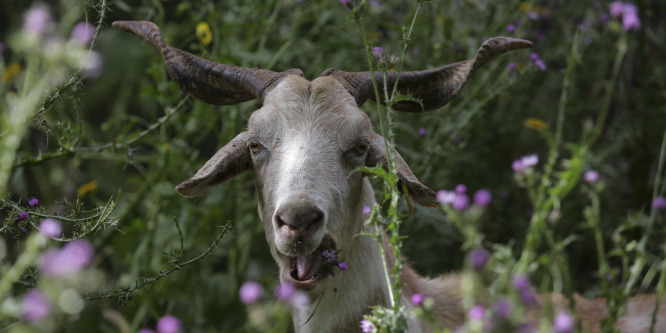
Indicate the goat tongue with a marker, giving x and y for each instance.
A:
(307, 266)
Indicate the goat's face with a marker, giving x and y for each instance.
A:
(305, 143)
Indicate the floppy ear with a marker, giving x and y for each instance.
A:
(417, 191)
(233, 159)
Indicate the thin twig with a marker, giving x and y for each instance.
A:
(126, 292)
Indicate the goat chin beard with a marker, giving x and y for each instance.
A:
(306, 272)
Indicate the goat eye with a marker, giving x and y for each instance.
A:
(360, 148)
(255, 147)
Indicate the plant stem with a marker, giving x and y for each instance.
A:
(26, 259)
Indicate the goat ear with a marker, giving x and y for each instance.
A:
(417, 191)
(233, 159)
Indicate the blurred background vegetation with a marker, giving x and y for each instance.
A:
(131, 130)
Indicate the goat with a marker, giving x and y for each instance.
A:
(303, 144)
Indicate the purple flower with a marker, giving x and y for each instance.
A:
(527, 296)
(511, 28)
(482, 197)
(628, 12)
(630, 18)
(169, 324)
(22, 216)
(616, 8)
(33, 202)
(285, 291)
(377, 51)
(537, 61)
(563, 323)
(36, 306)
(299, 300)
(73, 257)
(461, 202)
(329, 255)
(78, 252)
(502, 308)
(417, 299)
(511, 66)
(461, 189)
(343, 266)
(478, 258)
(477, 313)
(591, 176)
(422, 131)
(540, 65)
(524, 288)
(445, 197)
(50, 228)
(521, 282)
(659, 203)
(367, 326)
(82, 33)
(36, 20)
(517, 166)
(345, 1)
(366, 210)
(250, 292)
(529, 160)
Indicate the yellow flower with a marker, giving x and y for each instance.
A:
(11, 72)
(527, 7)
(204, 34)
(87, 188)
(536, 124)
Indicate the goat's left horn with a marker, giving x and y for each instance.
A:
(433, 87)
(206, 80)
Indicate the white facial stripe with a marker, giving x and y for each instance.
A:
(307, 127)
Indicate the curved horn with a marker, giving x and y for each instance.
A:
(433, 87)
(206, 80)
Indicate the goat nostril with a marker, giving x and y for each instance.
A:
(283, 220)
(315, 221)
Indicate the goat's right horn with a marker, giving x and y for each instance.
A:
(206, 80)
(433, 87)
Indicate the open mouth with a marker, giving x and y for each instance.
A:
(306, 271)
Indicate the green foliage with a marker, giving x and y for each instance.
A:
(75, 140)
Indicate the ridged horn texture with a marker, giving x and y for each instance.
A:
(433, 87)
(206, 80)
